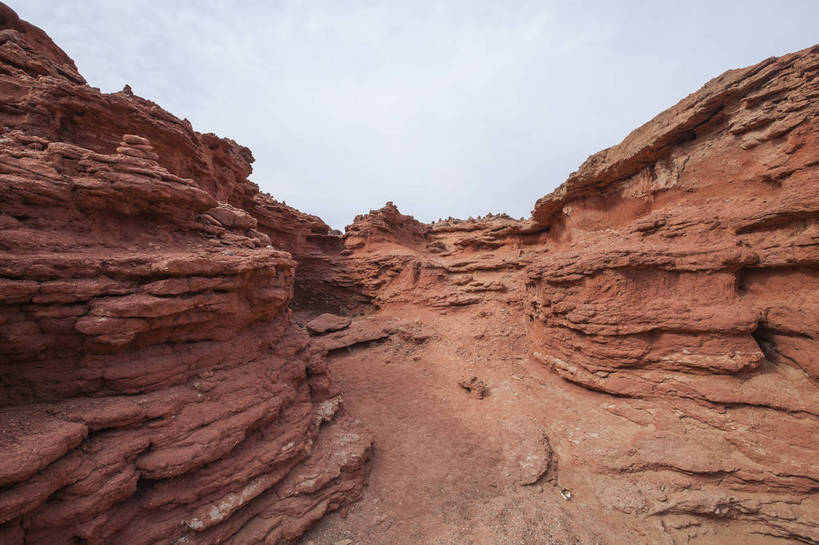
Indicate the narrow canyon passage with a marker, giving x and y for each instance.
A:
(450, 467)
(637, 362)
(536, 460)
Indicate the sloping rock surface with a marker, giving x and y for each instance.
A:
(676, 275)
(152, 387)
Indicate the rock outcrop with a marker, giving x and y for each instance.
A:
(152, 386)
(678, 269)
(45, 96)
(658, 311)
(384, 226)
(682, 267)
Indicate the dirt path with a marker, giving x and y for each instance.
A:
(448, 466)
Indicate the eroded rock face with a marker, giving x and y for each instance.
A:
(152, 386)
(386, 225)
(680, 270)
(154, 389)
(45, 96)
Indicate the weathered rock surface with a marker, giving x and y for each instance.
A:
(154, 390)
(682, 267)
(677, 275)
(384, 226)
(152, 387)
(45, 96)
(327, 322)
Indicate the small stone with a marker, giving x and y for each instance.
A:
(325, 323)
(476, 387)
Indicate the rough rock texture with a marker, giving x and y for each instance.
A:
(152, 387)
(682, 266)
(45, 96)
(386, 225)
(327, 322)
(676, 275)
(646, 342)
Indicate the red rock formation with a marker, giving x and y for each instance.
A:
(152, 387)
(713, 207)
(679, 268)
(45, 96)
(384, 226)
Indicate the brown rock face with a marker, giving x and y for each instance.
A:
(681, 268)
(152, 387)
(45, 96)
(692, 248)
(641, 355)
(384, 226)
(676, 275)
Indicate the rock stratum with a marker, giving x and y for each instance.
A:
(674, 275)
(152, 386)
(636, 362)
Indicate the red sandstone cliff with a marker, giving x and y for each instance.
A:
(154, 390)
(677, 274)
(45, 96)
(152, 387)
(682, 268)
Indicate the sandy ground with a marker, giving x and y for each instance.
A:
(447, 465)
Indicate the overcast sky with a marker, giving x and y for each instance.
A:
(447, 108)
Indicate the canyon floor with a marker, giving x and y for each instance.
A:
(448, 466)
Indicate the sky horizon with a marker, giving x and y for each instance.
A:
(447, 109)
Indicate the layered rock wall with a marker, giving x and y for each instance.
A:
(152, 387)
(679, 269)
(45, 96)
(154, 390)
(682, 266)
(694, 242)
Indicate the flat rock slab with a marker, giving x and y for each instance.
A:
(361, 330)
(327, 322)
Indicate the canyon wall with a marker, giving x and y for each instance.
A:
(681, 268)
(45, 96)
(678, 269)
(152, 386)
